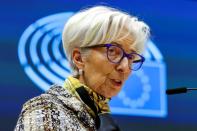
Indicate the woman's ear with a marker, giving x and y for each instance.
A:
(77, 58)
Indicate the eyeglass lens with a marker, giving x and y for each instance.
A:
(115, 54)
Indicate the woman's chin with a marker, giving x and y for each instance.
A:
(111, 95)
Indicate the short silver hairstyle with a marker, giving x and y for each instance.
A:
(101, 25)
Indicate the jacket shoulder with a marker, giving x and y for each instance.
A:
(49, 111)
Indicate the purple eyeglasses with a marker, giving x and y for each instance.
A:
(115, 54)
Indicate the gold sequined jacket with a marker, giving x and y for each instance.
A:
(60, 109)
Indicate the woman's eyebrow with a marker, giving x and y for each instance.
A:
(131, 49)
(115, 43)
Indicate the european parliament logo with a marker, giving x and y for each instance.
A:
(42, 57)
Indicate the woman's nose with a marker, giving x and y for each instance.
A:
(123, 66)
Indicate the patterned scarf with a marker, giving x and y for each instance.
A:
(101, 102)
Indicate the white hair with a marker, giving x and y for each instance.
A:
(101, 25)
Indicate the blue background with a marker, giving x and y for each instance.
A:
(173, 28)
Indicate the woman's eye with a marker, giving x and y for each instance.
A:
(112, 51)
(131, 57)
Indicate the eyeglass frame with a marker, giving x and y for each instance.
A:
(124, 54)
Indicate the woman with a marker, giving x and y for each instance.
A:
(103, 46)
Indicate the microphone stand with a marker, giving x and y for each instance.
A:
(179, 90)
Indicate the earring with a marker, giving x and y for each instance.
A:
(80, 71)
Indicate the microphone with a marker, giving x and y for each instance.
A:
(179, 90)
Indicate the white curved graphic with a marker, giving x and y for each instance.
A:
(40, 52)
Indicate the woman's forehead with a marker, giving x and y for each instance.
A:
(126, 44)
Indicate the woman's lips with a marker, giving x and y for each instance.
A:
(116, 82)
